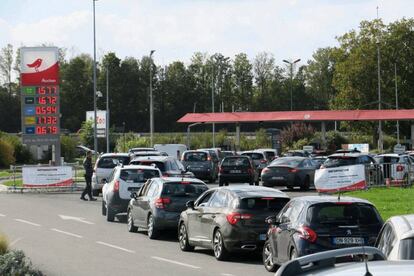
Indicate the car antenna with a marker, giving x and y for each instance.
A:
(367, 273)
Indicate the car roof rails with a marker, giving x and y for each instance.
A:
(325, 259)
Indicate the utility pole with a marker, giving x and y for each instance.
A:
(151, 103)
(291, 64)
(212, 106)
(107, 109)
(396, 102)
(95, 138)
(380, 139)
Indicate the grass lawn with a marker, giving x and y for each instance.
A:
(389, 201)
(5, 173)
(10, 183)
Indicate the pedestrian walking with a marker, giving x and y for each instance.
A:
(87, 165)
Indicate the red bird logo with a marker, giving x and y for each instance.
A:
(36, 64)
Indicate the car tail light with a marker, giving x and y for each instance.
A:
(292, 170)
(400, 168)
(165, 174)
(233, 218)
(343, 203)
(265, 170)
(263, 161)
(307, 234)
(116, 186)
(161, 202)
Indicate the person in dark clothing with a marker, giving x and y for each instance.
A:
(87, 165)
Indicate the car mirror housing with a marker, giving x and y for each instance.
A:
(271, 220)
(190, 204)
(134, 195)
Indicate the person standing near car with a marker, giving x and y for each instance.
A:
(87, 165)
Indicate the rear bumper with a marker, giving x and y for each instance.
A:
(117, 204)
(166, 220)
(202, 174)
(289, 180)
(236, 178)
(242, 239)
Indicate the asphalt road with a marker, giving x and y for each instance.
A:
(63, 235)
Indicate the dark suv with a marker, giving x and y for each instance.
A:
(312, 224)
(237, 169)
(229, 219)
(201, 163)
(169, 166)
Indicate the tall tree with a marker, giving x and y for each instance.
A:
(6, 65)
(243, 82)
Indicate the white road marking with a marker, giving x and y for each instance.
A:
(66, 233)
(226, 274)
(175, 262)
(27, 222)
(116, 247)
(15, 241)
(2, 215)
(78, 219)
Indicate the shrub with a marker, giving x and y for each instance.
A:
(15, 263)
(6, 153)
(22, 155)
(3, 244)
(68, 148)
(296, 132)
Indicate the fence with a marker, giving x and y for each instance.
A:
(17, 178)
(389, 175)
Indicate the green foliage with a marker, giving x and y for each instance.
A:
(6, 153)
(15, 263)
(295, 132)
(86, 134)
(68, 148)
(22, 155)
(298, 145)
(4, 244)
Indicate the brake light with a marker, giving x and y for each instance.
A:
(265, 170)
(161, 202)
(268, 198)
(116, 186)
(292, 170)
(263, 161)
(307, 234)
(233, 218)
(343, 203)
(400, 168)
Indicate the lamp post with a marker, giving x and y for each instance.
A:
(107, 109)
(396, 102)
(291, 79)
(380, 139)
(95, 139)
(151, 103)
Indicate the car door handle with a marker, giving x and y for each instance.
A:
(213, 216)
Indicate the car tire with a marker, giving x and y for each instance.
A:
(103, 208)
(183, 239)
(220, 251)
(221, 183)
(95, 192)
(267, 257)
(110, 214)
(306, 184)
(251, 183)
(256, 183)
(151, 230)
(131, 227)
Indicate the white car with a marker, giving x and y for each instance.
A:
(124, 180)
(396, 238)
(398, 168)
(103, 168)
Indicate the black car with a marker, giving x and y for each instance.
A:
(201, 164)
(290, 172)
(169, 166)
(237, 169)
(312, 224)
(229, 219)
(159, 203)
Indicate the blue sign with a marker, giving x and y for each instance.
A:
(29, 110)
(30, 130)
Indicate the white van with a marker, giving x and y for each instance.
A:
(175, 150)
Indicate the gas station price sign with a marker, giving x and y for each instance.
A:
(40, 96)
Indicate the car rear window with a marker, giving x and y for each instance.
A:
(158, 164)
(195, 156)
(183, 189)
(407, 249)
(236, 161)
(387, 159)
(343, 214)
(110, 162)
(270, 155)
(254, 155)
(340, 161)
(138, 175)
(274, 204)
(288, 162)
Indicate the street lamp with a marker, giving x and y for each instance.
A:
(151, 103)
(380, 138)
(396, 102)
(107, 109)
(291, 79)
(95, 139)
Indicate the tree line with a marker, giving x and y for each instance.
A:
(336, 77)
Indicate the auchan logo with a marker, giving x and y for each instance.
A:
(36, 64)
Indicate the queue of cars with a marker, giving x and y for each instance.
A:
(160, 194)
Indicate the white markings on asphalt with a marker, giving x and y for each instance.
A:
(2, 215)
(27, 222)
(66, 233)
(116, 247)
(15, 241)
(175, 262)
(78, 219)
(226, 274)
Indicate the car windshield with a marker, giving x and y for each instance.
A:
(138, 175)
(160, 165)
(236, 161)
(274, 204)
(343, 213)
(338, 161)
(387, 159)
(407, 249)
(183, 189)
(254, 155)
(288, 162)
(110, 162)
(195, 156)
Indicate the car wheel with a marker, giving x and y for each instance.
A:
(256, 183)
(131, 226)
(251, 183)
(103, 208)
(293, 254)
(152, 232)
(183, 239)
(221, 183)
(95, 192)
(220, 251)
(267, 257)
(110, 214)
(306, 184)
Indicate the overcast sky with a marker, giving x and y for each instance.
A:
(178, 28)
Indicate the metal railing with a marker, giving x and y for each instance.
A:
(389, 175)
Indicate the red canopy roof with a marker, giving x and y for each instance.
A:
(280, 116)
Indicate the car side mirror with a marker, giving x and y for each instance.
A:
(190, 204)
(134, 195)
(104, 181)
(271, 220)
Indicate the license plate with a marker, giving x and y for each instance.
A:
(196, 168)
(348, 240)
(262, 237)
(235, 171)
(278, 178)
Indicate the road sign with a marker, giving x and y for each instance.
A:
(399, 149)
(100, 122)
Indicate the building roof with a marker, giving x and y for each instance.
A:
(284, 116)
